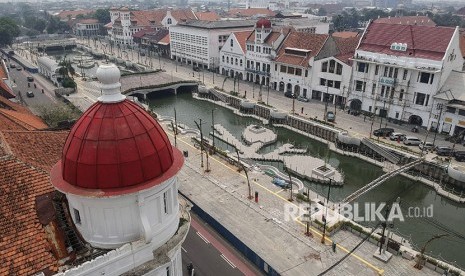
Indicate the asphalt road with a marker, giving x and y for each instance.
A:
(22, 86)
(211, 255)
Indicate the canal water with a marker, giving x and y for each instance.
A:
(448, 217)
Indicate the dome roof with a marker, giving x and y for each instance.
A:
(115, 145)
(263, 22)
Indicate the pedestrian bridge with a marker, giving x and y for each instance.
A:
(380, 180)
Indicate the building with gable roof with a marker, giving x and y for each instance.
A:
(87, 27)
(125, 23)
(261, 48)
(399, 68)
(232, 55)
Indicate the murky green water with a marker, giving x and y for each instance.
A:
(448, 217)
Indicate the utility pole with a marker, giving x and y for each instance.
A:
(293, 104)
(175, 128)
(199, 126)
(260, 94)
(326, 212)
(384, 224)
(307, 233)
(240, 165)
(213, 130)
(438, 106)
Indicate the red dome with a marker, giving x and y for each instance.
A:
(115, 145)
(263, 22)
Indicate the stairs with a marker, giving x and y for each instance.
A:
(381, 150)
(219, 95)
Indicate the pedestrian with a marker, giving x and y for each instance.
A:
(333, 245)
(364, 118)
(302, 110)
(245, 94)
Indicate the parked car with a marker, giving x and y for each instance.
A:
(412, 141)
(330, 117)
(12, 65)
(30, 94)
(459, 156)
(426, 146)
(29, 79)
(302, 99)
(444, 151)
(196, 69)
(19, 68)
(385, 131)
(289, 94)
(396, 135)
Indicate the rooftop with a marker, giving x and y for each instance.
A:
(304, 41)
(222, 24)
(407, 20)
(14, 116)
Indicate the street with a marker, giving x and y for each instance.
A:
(210, 254)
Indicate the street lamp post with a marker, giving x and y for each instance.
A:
(268, 94)
(439, 106)
(326, 212)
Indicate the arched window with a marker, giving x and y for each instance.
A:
(227, 59)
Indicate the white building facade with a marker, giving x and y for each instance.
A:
(397, 76)
(198, 43)
(232, 55)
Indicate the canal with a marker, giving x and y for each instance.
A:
(448, 216)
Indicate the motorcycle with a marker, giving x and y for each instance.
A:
(415, 129)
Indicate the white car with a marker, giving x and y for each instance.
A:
(426, 146)
(412, 141)
(396, 135)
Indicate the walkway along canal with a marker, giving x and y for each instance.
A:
(448, 215)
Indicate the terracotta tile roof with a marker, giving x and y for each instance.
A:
(41, 149)
(183, 14)
(345, 34)
(460, 11)
(207, 16)
(422, 41)
(88, 21)
(301, 41)
(250, 12)
(155, 17)
(242, 38)
(16, 117)
(407, 20)
(73, 14)
(144, 31)
(346, 47)
(165, 40)
(24, 249)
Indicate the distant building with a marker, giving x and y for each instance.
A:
(48, 68)
(198, 43)
(70, 15)
(303, 24)
(87, 27)
(232, 55)
(407, 20)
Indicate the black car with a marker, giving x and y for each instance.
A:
(444, 151)
(30, 94)
(30, 79)
(385, 131)
(459, 156)
(196, 69)
(289, 94)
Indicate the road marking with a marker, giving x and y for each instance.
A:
(228, 261)
(183, 249)
(203, 238)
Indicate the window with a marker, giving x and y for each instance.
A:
(165, 203)
(306, 73)
(227, 59)
(283, 69)
(257, 66)
(232, 42)
(248, 64)
(330, 83)
(240, 62)
(276, 67)
(383, 88)
(77, 216)
(337, 84)
(373, 89)
(324, 67)
(401, 94)
(376, 69)
(369, 108)
(404, 77)
(323, 82)
(462, 112)
(332, 64)
(386, 69)
(450, 109)
(420, 98)
(339, 69)
(169, 21)
(298, 71)
(223, 58)
(396, 71)
(290, 70)
(235, 62)
(424, 77)
(362, 67)
(360, 86)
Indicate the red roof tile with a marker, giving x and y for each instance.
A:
(242, 38)
(41, 149)
(250, 12)
(407, 20)
(16, 117)
(24, 249)
(88, 21)
(207, 16)
(72, 14)
(303, 41)
(422, 41)
(345, 34)
(346, 47)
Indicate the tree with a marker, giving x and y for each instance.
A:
(102, 15)
(53, 114)
(322, 12)
(8, 31)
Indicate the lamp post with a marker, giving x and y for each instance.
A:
(438, 106)
(268, 94)
(326, 212)
(213, 130)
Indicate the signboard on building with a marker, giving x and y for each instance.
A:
(387, 81)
